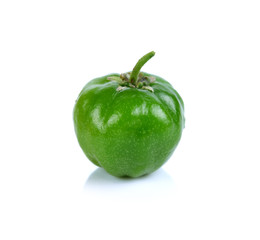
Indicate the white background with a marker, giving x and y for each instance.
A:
(208, 50)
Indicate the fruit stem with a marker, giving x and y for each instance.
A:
(138, 66)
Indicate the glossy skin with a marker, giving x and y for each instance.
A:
(132, 132)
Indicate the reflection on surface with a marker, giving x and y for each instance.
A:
(158, 184)
(140, 110)
(158, 112)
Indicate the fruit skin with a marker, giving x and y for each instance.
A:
(131, 132)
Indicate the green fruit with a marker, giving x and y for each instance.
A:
(129, 124)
